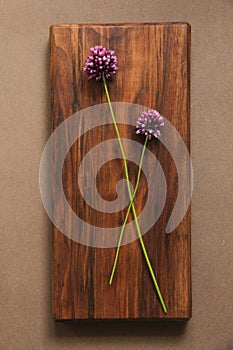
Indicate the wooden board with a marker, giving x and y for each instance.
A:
(153, 62)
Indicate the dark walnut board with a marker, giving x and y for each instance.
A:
(153, 62)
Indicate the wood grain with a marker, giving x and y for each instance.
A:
(153, 71)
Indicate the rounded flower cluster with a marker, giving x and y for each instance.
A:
(101, 62)
(149, 124)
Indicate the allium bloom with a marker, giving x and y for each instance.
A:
(101, 62)
(149, 123)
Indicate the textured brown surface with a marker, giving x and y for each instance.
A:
(155, 74)
(25, 247)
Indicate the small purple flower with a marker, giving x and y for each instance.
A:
(149, 123)
(101, 62)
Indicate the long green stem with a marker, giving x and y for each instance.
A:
(128, 211)
(131, 199)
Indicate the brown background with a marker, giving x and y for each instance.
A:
(25, 248)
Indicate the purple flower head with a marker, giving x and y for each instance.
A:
(149, 123)
(100, 62)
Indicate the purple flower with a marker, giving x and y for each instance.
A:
(149, 123)
(101, 62)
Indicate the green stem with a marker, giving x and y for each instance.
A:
(128, 211)
(131, 199)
